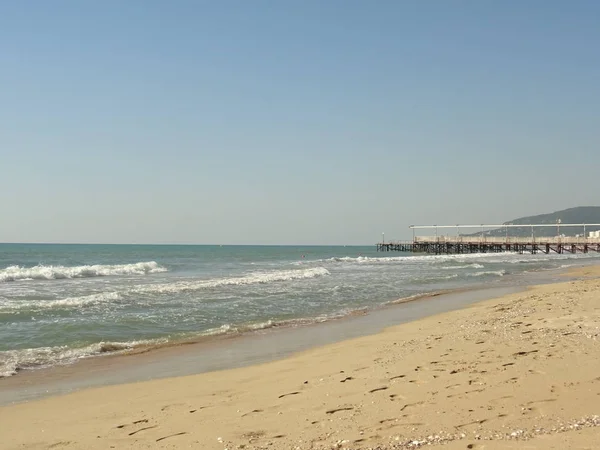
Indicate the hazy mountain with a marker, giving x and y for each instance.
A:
(580, 214)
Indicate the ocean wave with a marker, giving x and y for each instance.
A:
(65, 303)
(241, 328)
(465, 266)
(431, 278)
(13, 361)
(284, 323)
(41, 272)
(525, 258)
(411, 298)
(253, 278)
(498, 273)
(464, 258)
(407, 259)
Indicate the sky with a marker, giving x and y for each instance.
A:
(292, 122)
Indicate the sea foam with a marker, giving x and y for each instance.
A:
(498, 273)
(41, 272)
(12, 361)
(465, 266)
(372, 260)
(65, 303)
(253, 278)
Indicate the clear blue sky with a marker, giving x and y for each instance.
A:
(325, 121)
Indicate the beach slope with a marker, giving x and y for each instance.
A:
(522, 371)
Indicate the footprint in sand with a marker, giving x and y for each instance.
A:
(397, 376)
(333, 411)
(142, 429)
(60, 444)
(290, 393)
(408, 405)
(393, 419)
(136, 422)
(383, 388)
(475, 422)
(170, 435)
(546, 400)
(174, 405)
(523, 353)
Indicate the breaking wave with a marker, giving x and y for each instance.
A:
(498, 273)
(254, 278)
(412, 259)
(467, 259)
(70, 302)
(466, 266)
(41, 272)
(13, 306)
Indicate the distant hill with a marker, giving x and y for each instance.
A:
(580, 214)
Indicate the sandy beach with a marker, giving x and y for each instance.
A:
(521, 371)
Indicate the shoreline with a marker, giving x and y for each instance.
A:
(38, 355)
(522, 367)
(227, 352)
(233, 350)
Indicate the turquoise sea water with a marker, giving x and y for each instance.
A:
(59, 303)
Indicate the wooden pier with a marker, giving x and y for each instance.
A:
(440, 244)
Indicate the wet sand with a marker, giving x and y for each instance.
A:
(520, 371)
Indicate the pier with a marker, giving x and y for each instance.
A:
(482, 242)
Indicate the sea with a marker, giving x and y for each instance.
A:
(62, 303)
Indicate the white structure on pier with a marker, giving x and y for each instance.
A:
(483, 234)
